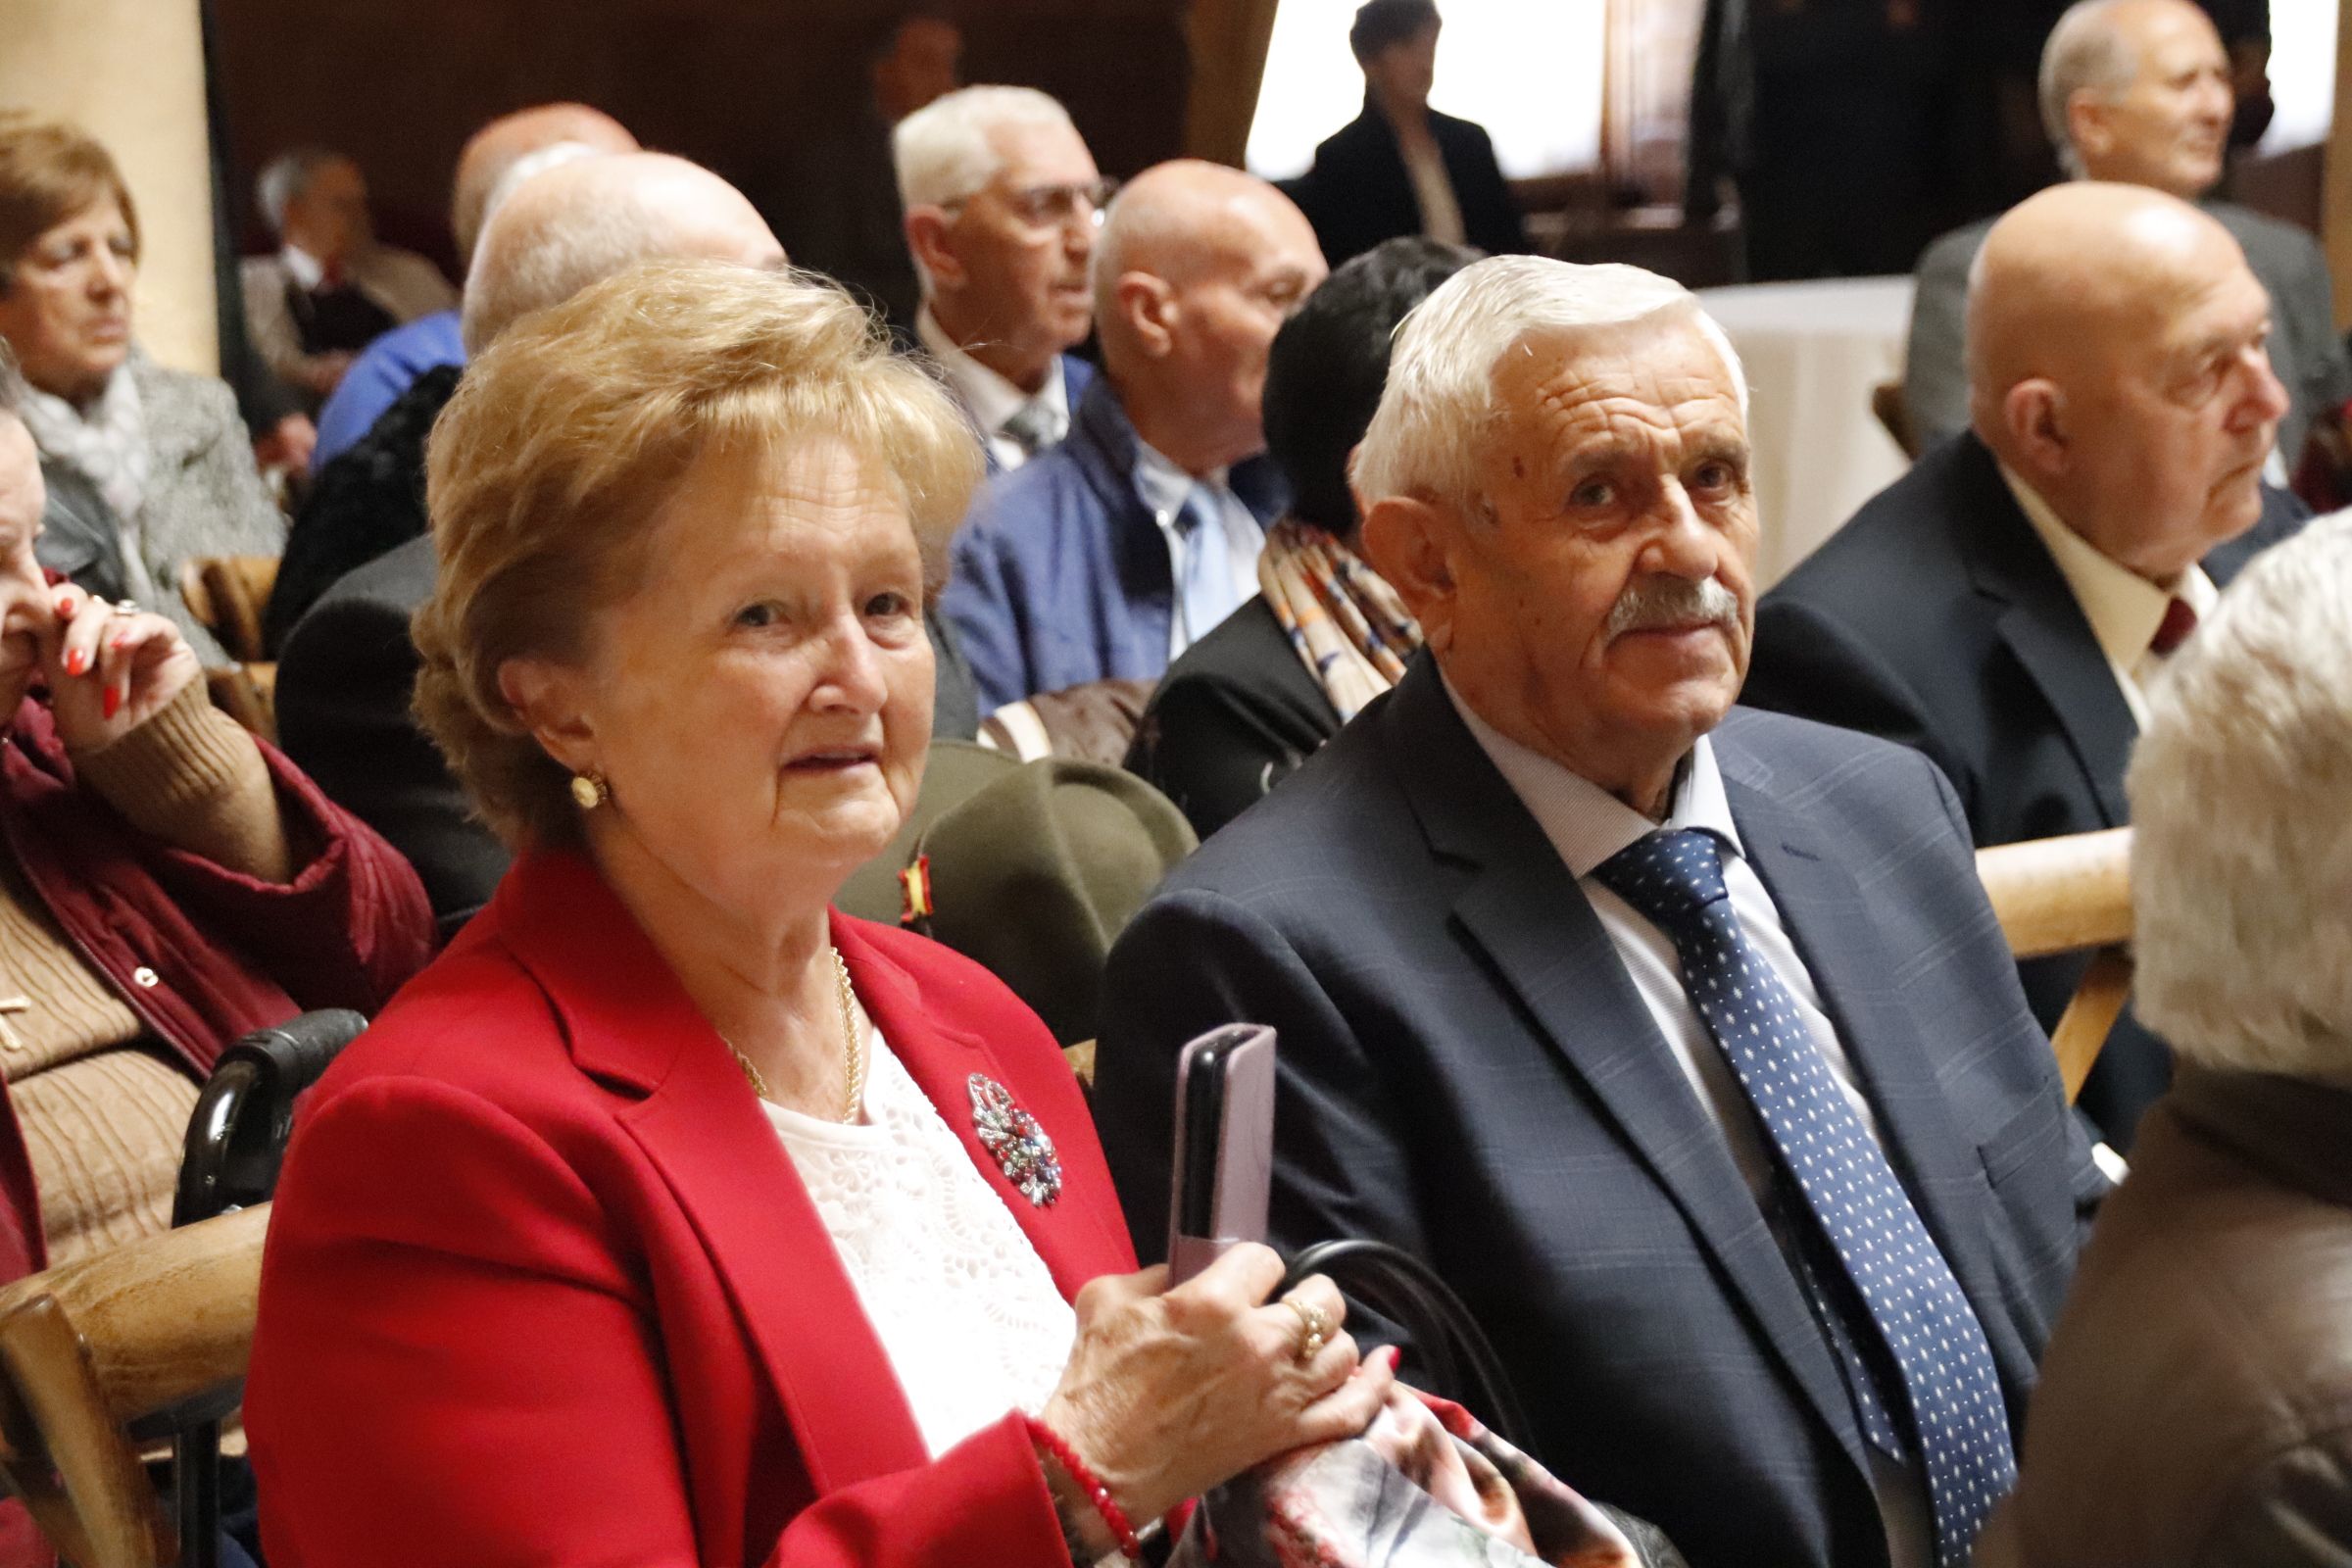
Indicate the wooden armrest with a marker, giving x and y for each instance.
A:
(2061, 895)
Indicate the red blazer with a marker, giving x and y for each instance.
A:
(543, 1286)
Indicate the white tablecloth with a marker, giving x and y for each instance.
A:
(1813, 353)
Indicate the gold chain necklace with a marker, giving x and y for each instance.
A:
(853, 1046)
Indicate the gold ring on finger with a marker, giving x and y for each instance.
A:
(1314, 1329)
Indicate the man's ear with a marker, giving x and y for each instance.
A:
(546, 697)
(927, 242)
(1406, 542)
(2033, 411)
(1149, 309)
(2086, 127)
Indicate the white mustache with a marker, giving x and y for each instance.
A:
(1651, 603)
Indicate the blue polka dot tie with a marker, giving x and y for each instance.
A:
(1915, 1308)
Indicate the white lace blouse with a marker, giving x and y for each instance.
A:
(965, 1310)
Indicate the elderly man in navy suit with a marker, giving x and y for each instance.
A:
(1679, 1038)
(2003, 606)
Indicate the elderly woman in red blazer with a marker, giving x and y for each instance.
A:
(672, 1217)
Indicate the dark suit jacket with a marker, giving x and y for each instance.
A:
(343, 687)
(1233, 716)
(1466, 1070)
(1938, 619)
(368, 498)
(1359, 194)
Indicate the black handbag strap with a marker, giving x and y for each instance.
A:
(1451, 1348)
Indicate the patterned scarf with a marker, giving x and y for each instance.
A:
(108, 443)
(1344, 622)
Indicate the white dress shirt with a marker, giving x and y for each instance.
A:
(991, 400)
(1433, 190)
(2125, 609)
(1588, 825)
(1164, 488)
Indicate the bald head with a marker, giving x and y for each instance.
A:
(2139, 91)
(1196, 268)
(583, 222)
(2116, 363)
(499, 149)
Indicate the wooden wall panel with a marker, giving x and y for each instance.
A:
(735, 84)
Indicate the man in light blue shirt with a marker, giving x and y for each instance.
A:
(1109, 554)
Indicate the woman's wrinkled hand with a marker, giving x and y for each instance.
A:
(1170, 1391)
(110, 667)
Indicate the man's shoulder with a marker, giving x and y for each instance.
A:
(2261, 237)
(1949, 253)
(1454, 129)
(1781, 753)
(394, 583)
(1902, 543)
(1030, 507)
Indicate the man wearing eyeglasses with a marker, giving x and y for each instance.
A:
(1002, 202)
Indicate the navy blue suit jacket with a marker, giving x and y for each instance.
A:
(1466, 1070)
(1060, 575)
(1938, 619)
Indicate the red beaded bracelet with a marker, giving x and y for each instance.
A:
(1114, 1516)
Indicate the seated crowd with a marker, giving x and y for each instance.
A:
(1617, 914)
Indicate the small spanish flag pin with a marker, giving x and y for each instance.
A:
(916, 881)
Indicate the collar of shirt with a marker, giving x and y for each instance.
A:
(1585, 822)
(1165, 487)
(2123, 609)
(991, 398)
(301, 266)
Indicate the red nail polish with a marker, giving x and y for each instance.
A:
(113, 702)
(119, 644)
(65, 609)
(1393, 1354)
(77, 661)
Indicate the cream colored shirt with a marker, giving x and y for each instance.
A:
(1433, 190)
(2125, 609)
(990, 399)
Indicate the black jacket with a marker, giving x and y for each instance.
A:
(1233, 716)
(1936, 618)
(1359, 194)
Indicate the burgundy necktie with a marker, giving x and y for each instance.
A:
(2179, 622)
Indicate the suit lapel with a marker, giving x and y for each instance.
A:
(627, 1020)
(1860, 981)
(2045, 630)
(1534, 925)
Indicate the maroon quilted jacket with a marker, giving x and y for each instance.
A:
(200, 953)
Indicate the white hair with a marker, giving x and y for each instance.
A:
(2086, 52)
(535, 255)
(2242, 852)
(943, 151)
(285, 178)
(1427, 438)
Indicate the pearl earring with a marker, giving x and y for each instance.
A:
(589, 790)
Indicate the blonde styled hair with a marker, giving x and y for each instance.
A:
(568, 436)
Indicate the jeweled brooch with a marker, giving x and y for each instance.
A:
(1020, 1145)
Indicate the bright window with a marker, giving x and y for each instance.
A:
(2302, 71)
(1530, 72)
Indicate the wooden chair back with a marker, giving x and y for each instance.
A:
(227, 594)
(1893, 410)
(2067, 895)
(129, 1337)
